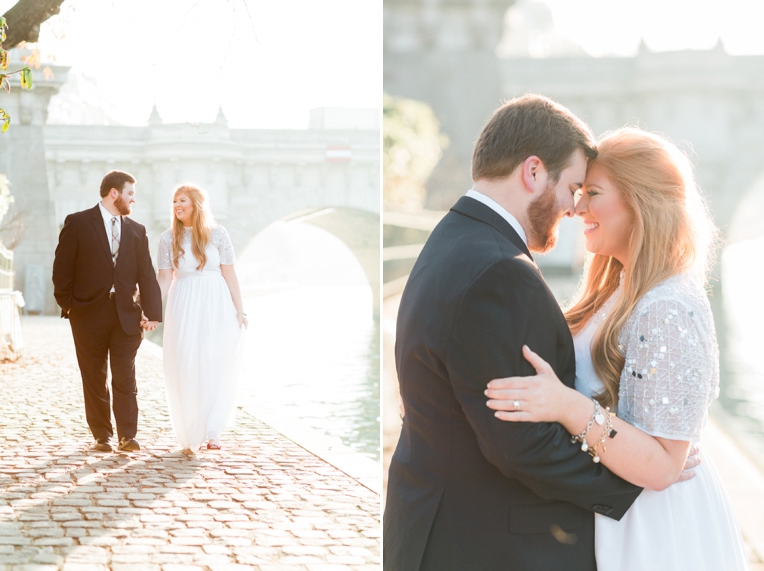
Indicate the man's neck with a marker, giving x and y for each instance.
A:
(110, 208)
(501, 193)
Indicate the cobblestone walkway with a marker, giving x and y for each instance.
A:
(260, 503)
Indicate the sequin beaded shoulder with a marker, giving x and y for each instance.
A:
(671, 368)
(684, 289)
(220, 239)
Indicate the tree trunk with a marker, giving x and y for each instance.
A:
(24, 20)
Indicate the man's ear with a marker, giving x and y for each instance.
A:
(534, 174)
(114, 193)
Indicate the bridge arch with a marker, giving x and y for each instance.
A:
(324, 245)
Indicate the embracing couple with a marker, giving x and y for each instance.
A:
(105, 283)
(511, 455)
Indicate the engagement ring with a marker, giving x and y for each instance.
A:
(517, 405)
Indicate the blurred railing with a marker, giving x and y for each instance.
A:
(11, 340)
(404, 238)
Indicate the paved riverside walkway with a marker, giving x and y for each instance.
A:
(261, 503)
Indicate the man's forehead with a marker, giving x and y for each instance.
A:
(576, 170)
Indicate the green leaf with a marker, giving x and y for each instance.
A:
(26, 78)
(2, 22)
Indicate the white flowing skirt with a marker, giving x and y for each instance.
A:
(688, 527)
(202, 357)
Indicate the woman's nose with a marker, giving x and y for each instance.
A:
(580, 207)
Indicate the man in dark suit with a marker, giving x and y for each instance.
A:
(106, 286)
(466, 491)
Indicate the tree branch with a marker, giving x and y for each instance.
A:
(24, 20)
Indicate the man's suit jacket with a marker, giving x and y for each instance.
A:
(466, 491)
(83, 272)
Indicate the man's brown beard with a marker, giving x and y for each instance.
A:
(122, 206)
(544, 215)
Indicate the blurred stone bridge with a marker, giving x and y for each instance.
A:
(443, 52)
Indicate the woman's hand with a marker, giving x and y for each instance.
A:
(539, 398)
(242, 317)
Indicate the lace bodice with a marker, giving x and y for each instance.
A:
(671, 370)
(219, 251)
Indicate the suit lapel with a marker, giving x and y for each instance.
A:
(100, 229)
(124, 239)
(479, 211)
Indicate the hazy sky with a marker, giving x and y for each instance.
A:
(268, 62)
(614, 27)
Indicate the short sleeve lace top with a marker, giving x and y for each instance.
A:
(219, 239)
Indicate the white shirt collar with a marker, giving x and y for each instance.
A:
(107, 216)
(500, 210)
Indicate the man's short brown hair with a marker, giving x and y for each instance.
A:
(526, 126)
(115, 179)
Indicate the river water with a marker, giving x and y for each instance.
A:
(312, 349)
(320, 369)
(739, 314)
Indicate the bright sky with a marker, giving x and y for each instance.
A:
(268, 62)
(614, 27)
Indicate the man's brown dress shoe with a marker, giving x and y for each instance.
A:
(102, 445)
(129, 445)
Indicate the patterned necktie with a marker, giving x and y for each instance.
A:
(114, 241)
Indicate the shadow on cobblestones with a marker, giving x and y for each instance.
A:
(260, 503)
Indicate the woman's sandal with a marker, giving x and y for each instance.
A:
(213, 446)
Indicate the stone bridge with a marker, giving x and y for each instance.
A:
(254, 177)
(443, 52)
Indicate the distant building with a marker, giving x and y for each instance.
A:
(253, 176)
(464, 58)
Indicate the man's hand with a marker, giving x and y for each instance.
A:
(692, 462)
(147, 325)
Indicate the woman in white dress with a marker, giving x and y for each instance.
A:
(204, 321)
(646, 348)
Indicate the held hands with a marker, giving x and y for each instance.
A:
(147, 325)
(539, 398)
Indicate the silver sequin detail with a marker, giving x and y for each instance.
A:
(670, 331)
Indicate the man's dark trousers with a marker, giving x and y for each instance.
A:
(96, 339)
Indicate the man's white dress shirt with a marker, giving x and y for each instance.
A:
(500, 210)
(107, 216)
